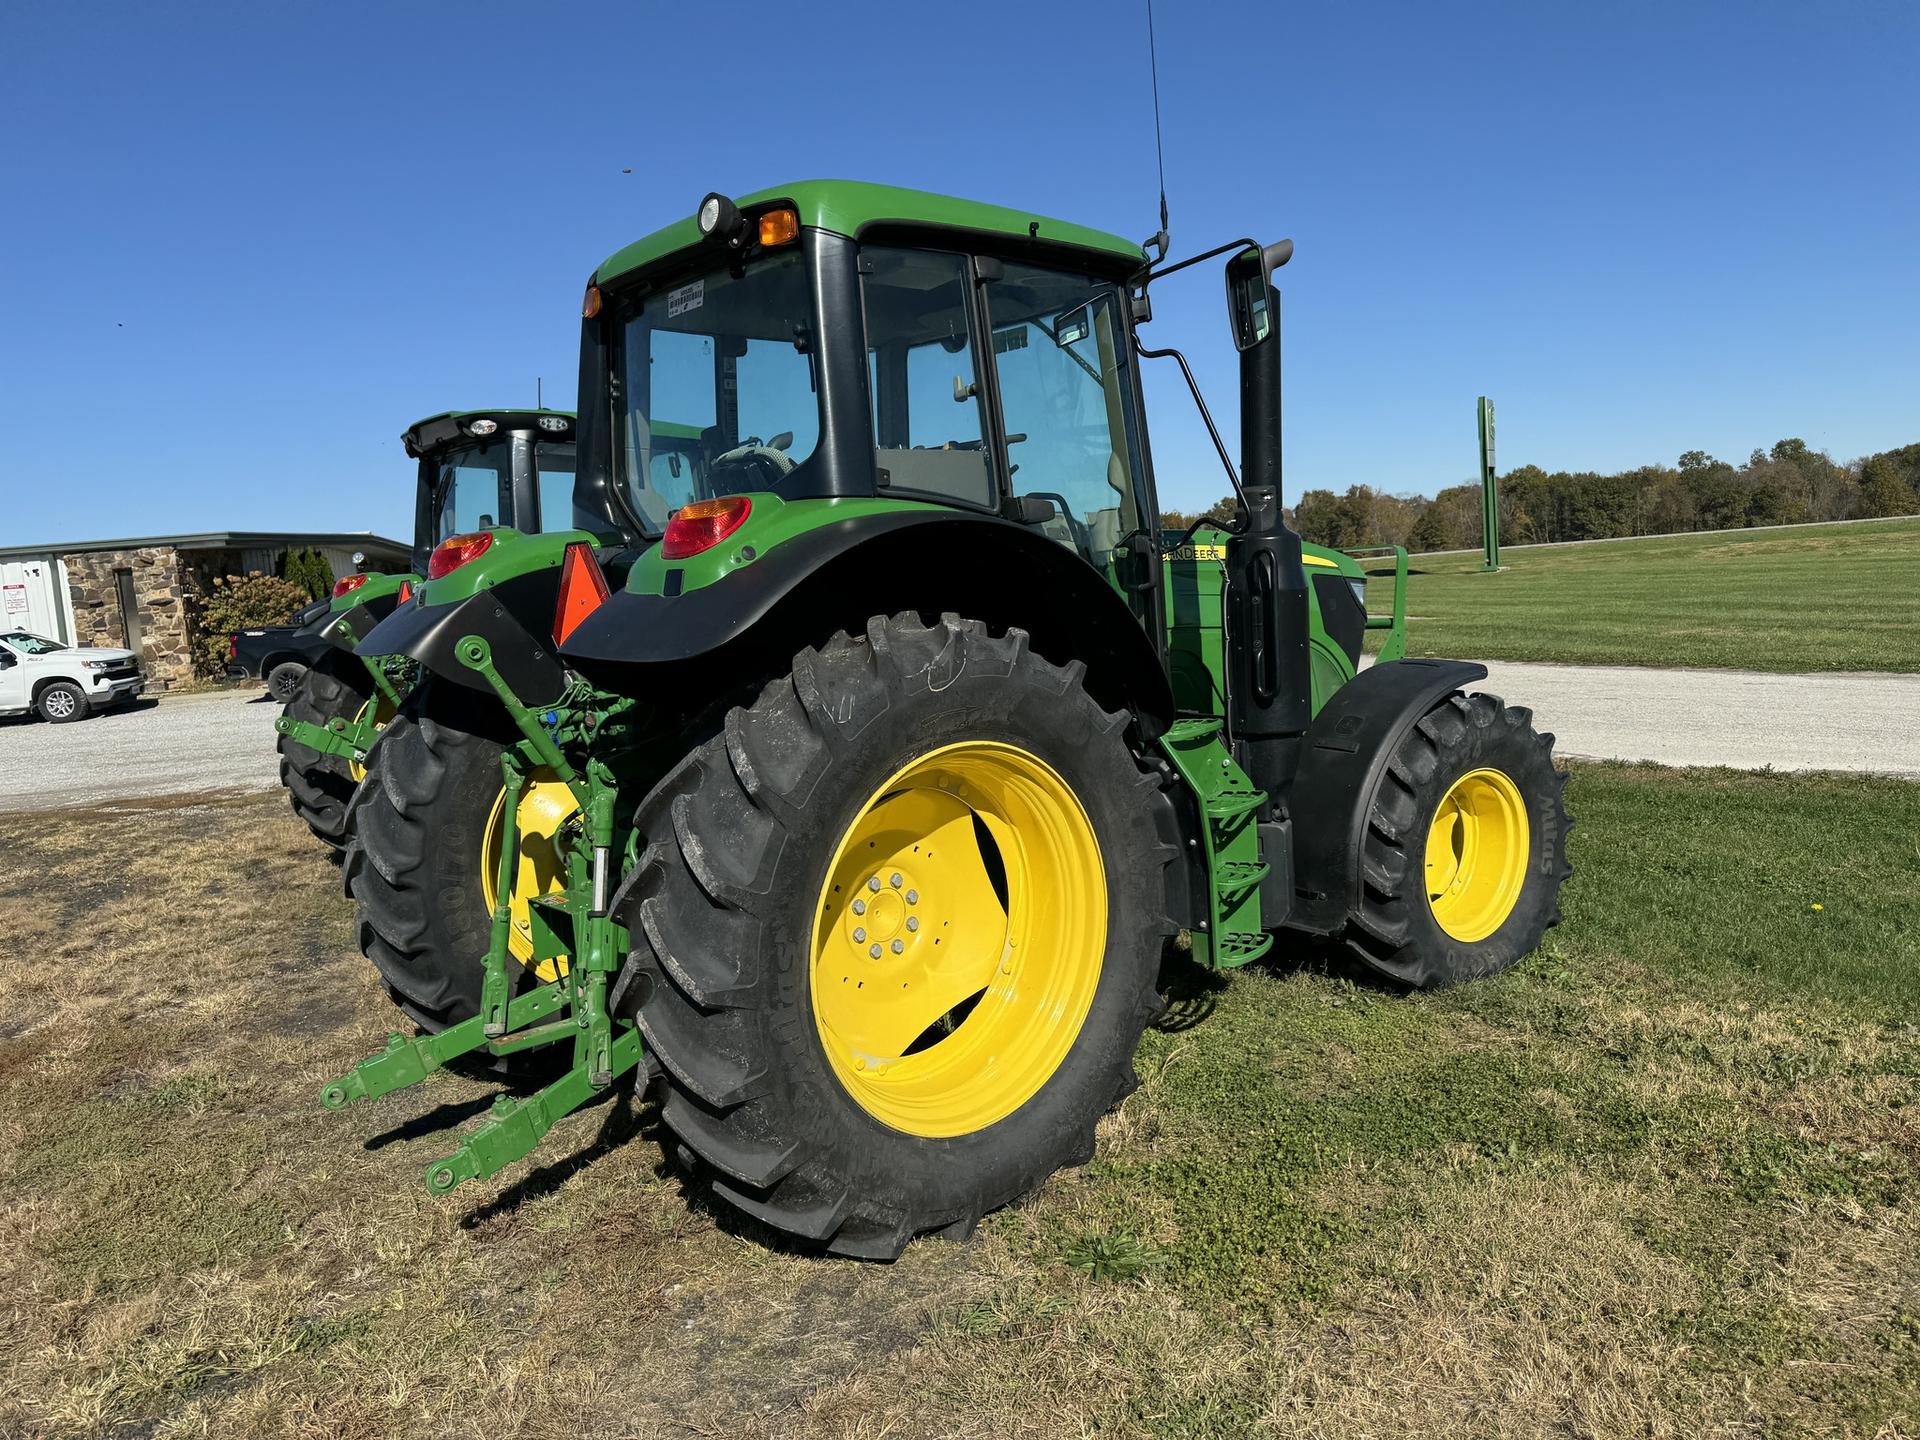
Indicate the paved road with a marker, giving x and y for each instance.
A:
(224, 741)
(1721, 717)
(176, 745)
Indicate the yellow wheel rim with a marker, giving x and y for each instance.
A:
(383, 713)
(958, 939)
(1477, 854)
(545, 805)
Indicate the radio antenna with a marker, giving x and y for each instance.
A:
(1159, 153)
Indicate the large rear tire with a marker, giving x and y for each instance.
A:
(1465, 848)
(896, 933)
(424, 829)
(336, 687)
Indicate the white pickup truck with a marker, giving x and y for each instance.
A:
(60, 682)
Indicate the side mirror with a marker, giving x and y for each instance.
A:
(1249, 291)
(1074, 326)
(782, 441)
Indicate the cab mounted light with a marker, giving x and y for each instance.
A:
(583, 590)
(721, 222)
(482, 426)
(457, 550)
(590, 306)
(779, 227)
(348, 583)
(702, 525)
(554, 424)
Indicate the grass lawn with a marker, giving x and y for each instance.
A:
(1659, 1181)
(1815, 597)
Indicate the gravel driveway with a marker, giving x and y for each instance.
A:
(1721, 717)
(225, 741)
(173, 745)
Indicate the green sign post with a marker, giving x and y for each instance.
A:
(1489, 491)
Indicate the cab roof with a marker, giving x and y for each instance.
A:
(450, 425)
(849, 207)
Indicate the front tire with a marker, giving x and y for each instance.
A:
(61, 703)
(1465, 847)
(337, 687)
(992, 821)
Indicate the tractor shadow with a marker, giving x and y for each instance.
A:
(1325, 959)
(441, 1117)
(624, 1121)
(1189, 990)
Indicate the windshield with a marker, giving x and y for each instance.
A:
(31, 644)
(716, 388)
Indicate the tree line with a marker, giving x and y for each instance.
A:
(1787, 485)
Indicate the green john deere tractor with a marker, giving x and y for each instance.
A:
(477, 468)
(909, 742)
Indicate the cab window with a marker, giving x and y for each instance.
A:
(474, 489)
(1059, 349)
(927, 424)
(553, 468)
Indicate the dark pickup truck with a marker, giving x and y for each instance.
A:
(278, 654)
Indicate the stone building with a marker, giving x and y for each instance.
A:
(140, 593)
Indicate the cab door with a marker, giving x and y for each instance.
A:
(1069, 418)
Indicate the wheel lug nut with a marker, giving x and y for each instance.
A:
(873, 882)
(895, 880)
(860, 937)
(859, 907)
(913, 897)
(874, 951)
(898, 946)
(913, 922)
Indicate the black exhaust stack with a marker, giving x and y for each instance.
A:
(1270, 696)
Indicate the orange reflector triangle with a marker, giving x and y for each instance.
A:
(583, 590)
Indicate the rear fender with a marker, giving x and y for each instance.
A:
(431, 634)
(749, 622)
(1346, 752)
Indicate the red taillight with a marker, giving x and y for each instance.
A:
(233, 647)
(348, 582)
(703, 525)
(406, 591)
(457, 550)
(583, 590)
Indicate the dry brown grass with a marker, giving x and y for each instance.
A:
(190, 1247)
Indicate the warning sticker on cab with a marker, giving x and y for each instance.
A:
(687, 297)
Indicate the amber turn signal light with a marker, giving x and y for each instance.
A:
(779, 227)
(590, 306)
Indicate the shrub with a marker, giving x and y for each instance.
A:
(309, 570)
(238, 602)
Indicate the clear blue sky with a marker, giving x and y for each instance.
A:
(245, 245)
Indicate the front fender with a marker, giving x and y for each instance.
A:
(1347, 749)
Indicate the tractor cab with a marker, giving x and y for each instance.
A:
(486, 469)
